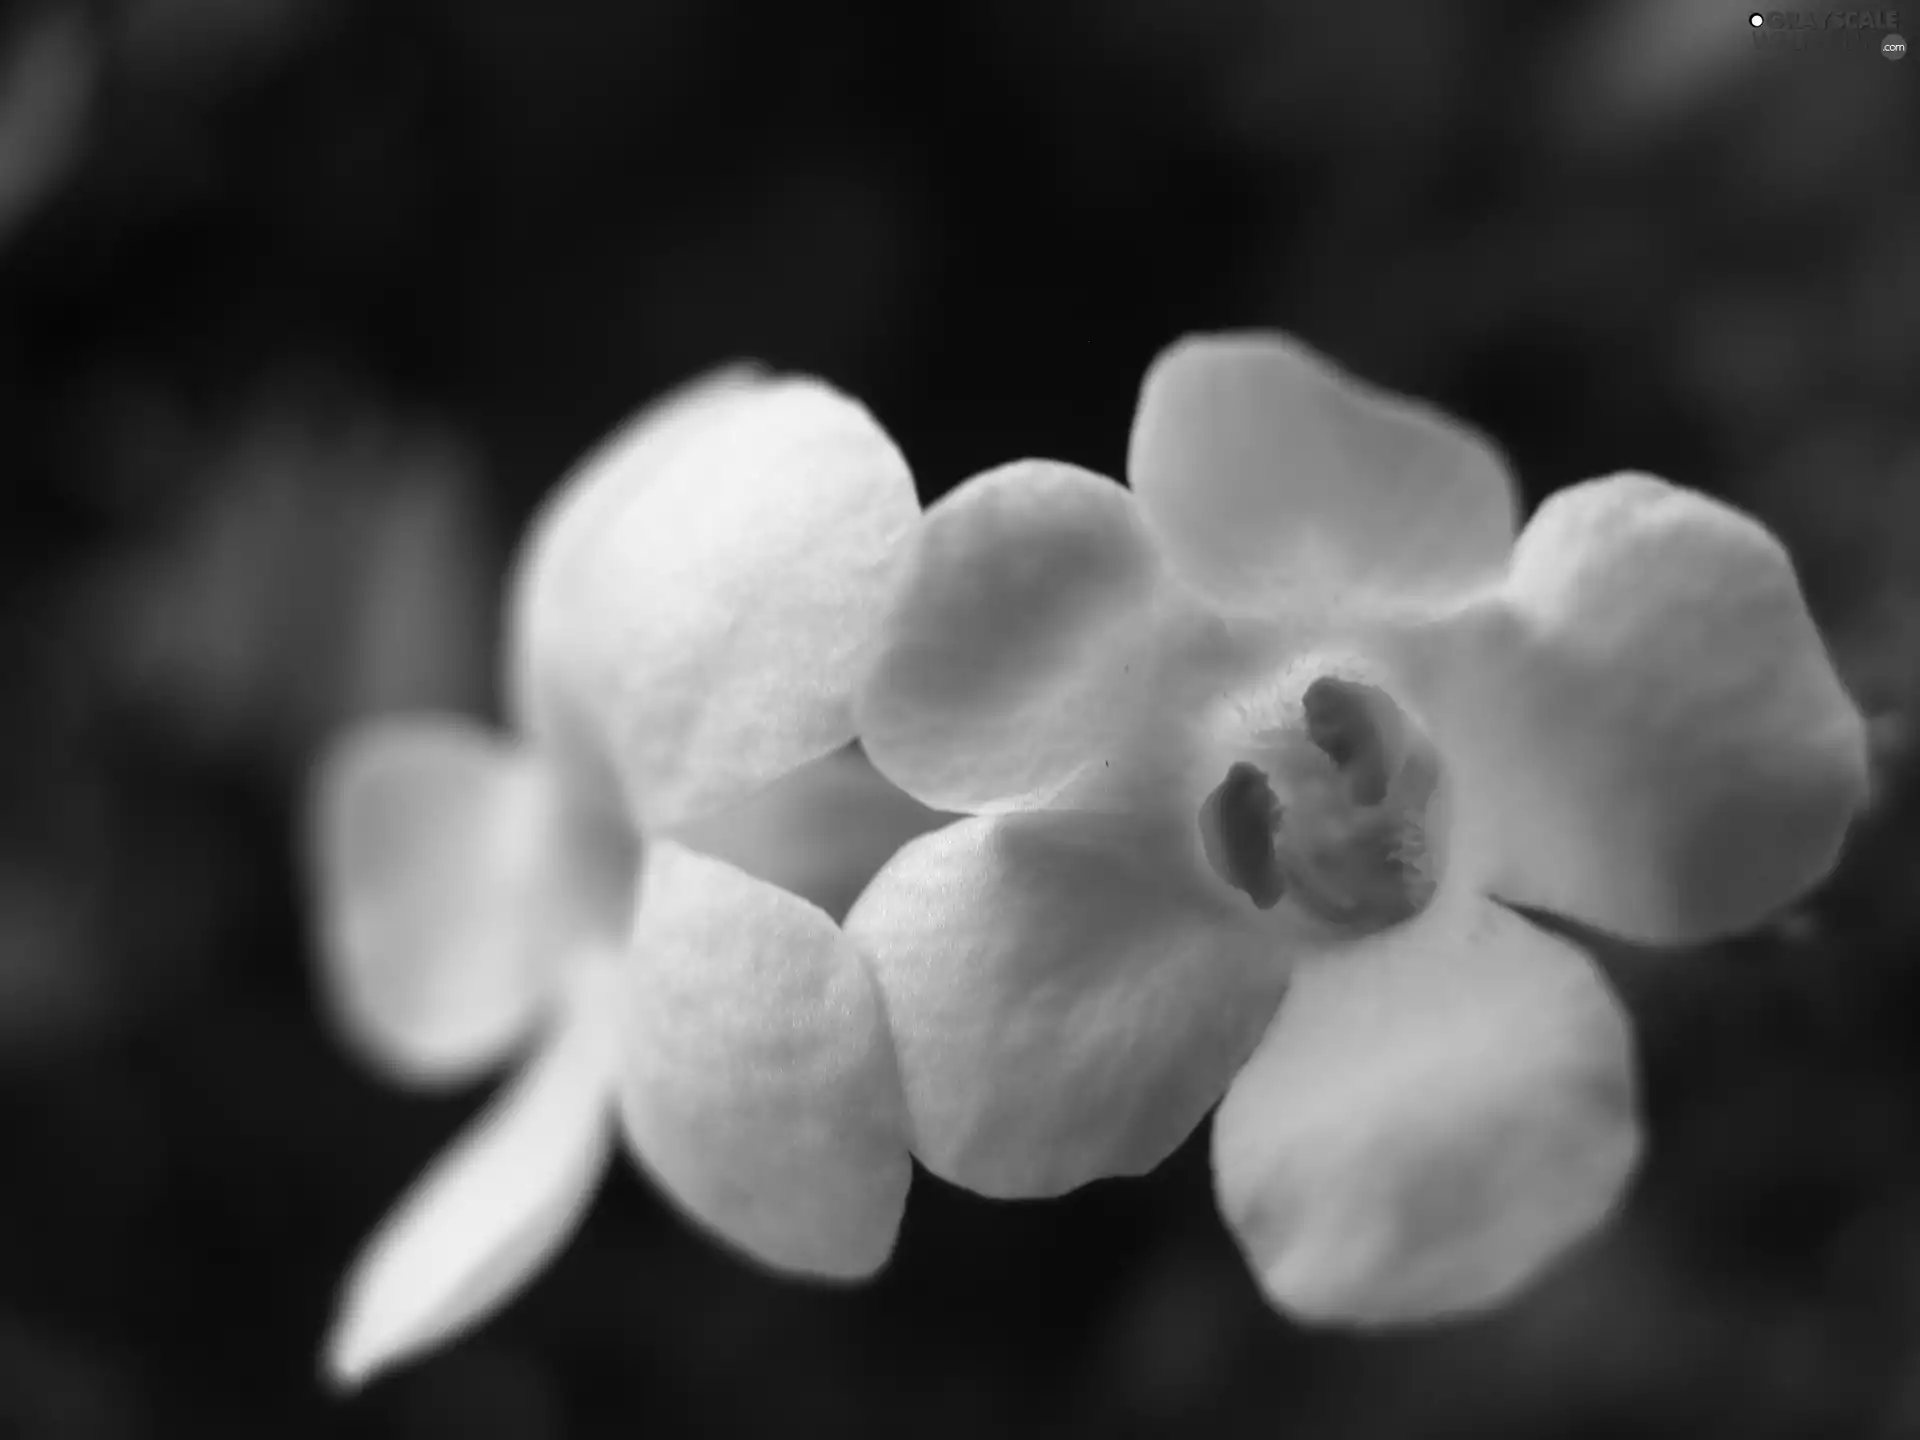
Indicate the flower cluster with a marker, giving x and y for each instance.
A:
(1258, 763)
(635, 891)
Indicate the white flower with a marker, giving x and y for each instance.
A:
(1296, 714)
(687, 626)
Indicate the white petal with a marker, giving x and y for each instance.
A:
(758, 1082)
(451, 884)
(692, 613)
(488, 1215)
(1067, 997)
(1273, 481)
(1435, 1116)
(1647, 722)
(1034, 654)
(1002, 657)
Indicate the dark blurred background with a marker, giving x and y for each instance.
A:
(303, 303)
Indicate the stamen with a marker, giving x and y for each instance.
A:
(1351, 723)
(1336, 820)
(1237, 825)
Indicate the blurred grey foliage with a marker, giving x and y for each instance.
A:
(54, 985)
(323, 568)
(189, 42)
(54, 1386)
(47, 77)
(327, 568)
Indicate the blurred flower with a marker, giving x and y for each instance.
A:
(685, 632)
(1299, 713)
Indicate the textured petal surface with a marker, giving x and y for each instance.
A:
(1067, 999)
(488, 1215)
(450, 888)
(1272, 480)
(693, 611)
(1033, 644)
(821, 832)
(758, 1084)
(999, 658)
(1436, 1114)
(1648, 718)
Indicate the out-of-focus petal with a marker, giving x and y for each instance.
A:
(1647, 720)
(1274, 481)
(692, 614)
(488, 1215)
(1030, 637)
(1066, 997)
(757, 1080)
(820, 832)
(450, 885)
(1436, 1115)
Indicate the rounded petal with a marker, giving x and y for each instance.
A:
(692, 613)
(1648, 718)
(449, 888)
(1274, 481)
(1436, 1114)
(1032, 645)
(821, 832)
(1066, 997)
(1001, 651)
(757, 1083)
(487, 1216)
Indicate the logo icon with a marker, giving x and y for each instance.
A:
(1894, 47)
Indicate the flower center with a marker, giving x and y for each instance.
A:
(1330, 812)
